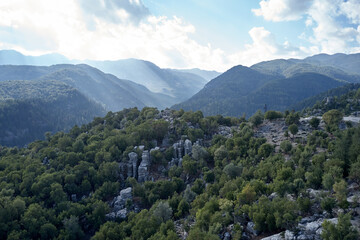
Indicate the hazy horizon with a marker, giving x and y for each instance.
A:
(181, 34)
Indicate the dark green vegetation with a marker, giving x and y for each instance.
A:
(37, 99)
(28, 109)
(280, 84)
(226, 181)
(331, 94)
(243, 90)
(346, 103)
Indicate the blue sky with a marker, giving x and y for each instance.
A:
(211, 34)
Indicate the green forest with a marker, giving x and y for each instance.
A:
(28, 109)
(229, 182)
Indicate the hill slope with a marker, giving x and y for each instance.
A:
(178, 84)
(30, 108)
(291, 67)
(348, 62)
(113, 93)
(244, 90)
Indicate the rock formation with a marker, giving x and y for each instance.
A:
(143, 171)
(119, 204)
(187, 147)
(132, 165)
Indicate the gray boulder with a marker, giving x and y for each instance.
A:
(119, 201)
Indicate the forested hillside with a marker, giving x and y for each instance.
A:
(327, 96)
(167, 86)
(289, 68)
(113, 93)
(30, 108)
(348, 62)
(174, 174)
(243, 90)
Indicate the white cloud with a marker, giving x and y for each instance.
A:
(329, 33)
(328, 19)
(351, 9)
(111, 30)
(79, 32)
(265, 47)
(115, 11)
(282, 10)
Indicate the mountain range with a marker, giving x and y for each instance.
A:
(101, 86)
(178, 85)
(278, 84)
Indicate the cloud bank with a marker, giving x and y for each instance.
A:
(118, 29)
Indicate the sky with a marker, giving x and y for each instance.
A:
(206, 34)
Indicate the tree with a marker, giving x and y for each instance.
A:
(332, 118)
(232, 170)
(340, 189)
(292, 118)
(328, 204)
(265, 150)
(48, 231)
(293, 128)
(355, 172)
(109, 231)
(285, 146)
(220, 153)
(257, 118)
(340, 231)
(198, 152)
(189, 165)
(247, 195)
(273, 115)
(160, 128)
(286, 134)
(72, 229)
(163, 211)
(314, 122)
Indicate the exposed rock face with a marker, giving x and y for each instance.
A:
(118, 204)
(181, 148)
(308, 229)
(132, 165)
(251, 228)
(143, 171)
(187, 147)
(45, 161)
(178, 149)
(123, 170)
(119, 201)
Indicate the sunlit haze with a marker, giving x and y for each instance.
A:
(213, 35)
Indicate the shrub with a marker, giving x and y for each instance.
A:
(270, 115)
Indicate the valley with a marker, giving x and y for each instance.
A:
(89, 156)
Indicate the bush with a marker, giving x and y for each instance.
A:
(163, 211)
(265, 150)
(257, 118)
(270, 115)
(285, 146)
(292, 118)
(293, 128)
(314, 122)
(232, 170)
(342, 230)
